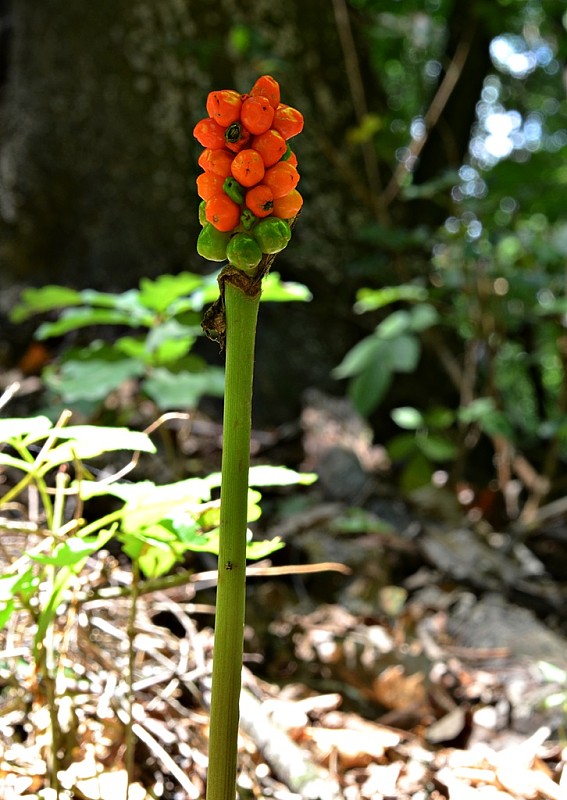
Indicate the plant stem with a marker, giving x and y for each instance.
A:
(241, 312)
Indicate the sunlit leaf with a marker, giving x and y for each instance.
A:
(183, 390)
(407, 417)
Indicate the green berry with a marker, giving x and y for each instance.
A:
(243, 252)
(202, 215)
(212, 244)
(234, 190)
(247, 219)
(272, 234)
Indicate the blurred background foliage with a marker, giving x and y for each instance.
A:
(433, 236)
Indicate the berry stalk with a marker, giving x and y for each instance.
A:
(241, 312)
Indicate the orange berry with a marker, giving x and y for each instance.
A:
(288, 121)
(292, 159)
(271, 146)
(288, 206)
(222, 212)
(208, 133)
(260, 200)
(217, 161)
(248, 167)
(257, 114)
(224, 106)
(209, 184)
(236, 137)
(281, 178)
(267, 87)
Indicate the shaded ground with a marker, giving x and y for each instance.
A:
(391, 651)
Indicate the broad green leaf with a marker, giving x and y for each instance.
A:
(17, 463)
(404, 353)
(439, 418)
(256, 550)
(417, 473)
(436, 448)
(267, 475)
(195, 489)
(88, 441)
(367, 389)
(396, 324)
(128, 301)
(372, 299)
(423, 316)
(170, 341)
(93, 374)
(274, 290)
(74, 549)
(402, 446)
(407, 417)
(496, 423)
(36, 301)
(151, 505)
(16, 428)
(76, 318)
(159, 294)
(370, 352)
(171, 390)
(476, 410)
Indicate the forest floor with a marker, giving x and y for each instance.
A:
(393, 650)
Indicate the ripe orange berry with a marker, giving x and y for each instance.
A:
(271, 146)
(288, 121)
(236, 137)
(267, 87)
(209, 184)
(222, 212)
(217, 161)
(257, 114)
(224, 106)
(288, 206)
(260, 200)
(248, 167)
(281, 178)
(292, 159)
(208, 133)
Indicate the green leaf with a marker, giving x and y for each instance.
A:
(74, 549)
(170, 341)
(147, 503)
(183, 389)
(267, 475)
(92, 373)
(423, 316)
(76, 318)
(274, 290)
(436, 448)
(16, 428)
(372, 299)
(256, 550)
(407, 417)
(36, 301)
(159, 294)
(369, 352)
(402, 446)
(88, 441)
(439, 418)
(476, 410)
(396, 324)
(404, 353)
(367, 389)
(417, 473)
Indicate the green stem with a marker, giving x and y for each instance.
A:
(241, 315)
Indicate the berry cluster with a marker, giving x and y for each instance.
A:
(248, 187)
